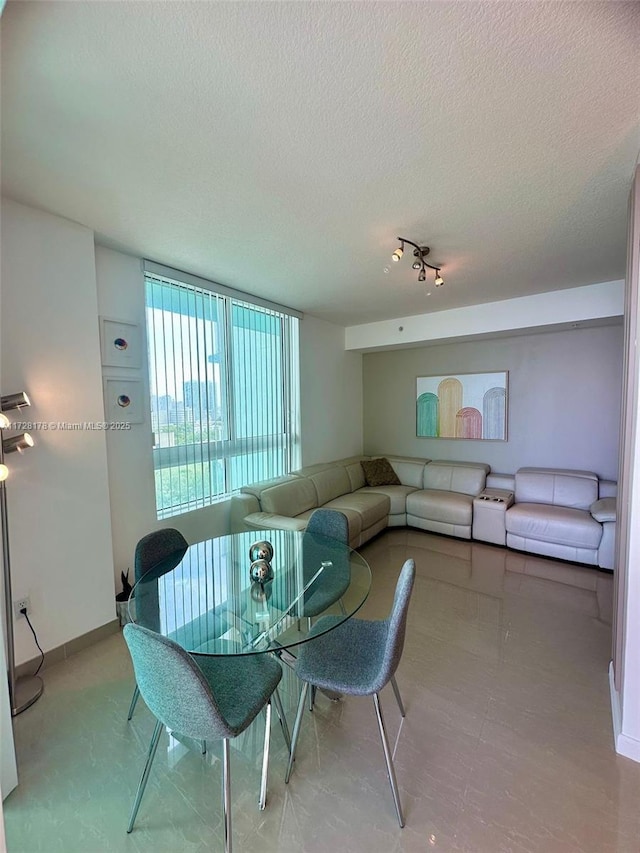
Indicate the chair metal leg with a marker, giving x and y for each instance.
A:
(296, 729)
(387, 757)
(277, 701)
(265, 757)
(311, 696)
(397, 695)
(204, 747)
(155, 737)
(134, 700)
(226, 796)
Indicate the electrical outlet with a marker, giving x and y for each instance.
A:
(21, 604)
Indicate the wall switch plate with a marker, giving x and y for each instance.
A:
(21, 604)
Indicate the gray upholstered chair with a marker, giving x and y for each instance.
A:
(324, 541)
(152, 549)
(204, 698)
(358, 657)
(330, 523)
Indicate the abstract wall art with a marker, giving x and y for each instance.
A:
(123, 401)
(463, 405)
(121, 343)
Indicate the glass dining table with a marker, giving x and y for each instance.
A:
(203, 597)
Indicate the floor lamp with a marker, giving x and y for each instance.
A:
(25, 690)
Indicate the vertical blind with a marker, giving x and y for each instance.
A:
(223, 378)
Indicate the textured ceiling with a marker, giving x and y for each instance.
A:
(280, 147)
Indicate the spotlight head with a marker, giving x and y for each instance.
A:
(399, 252)
(5, 423)
(438, 281)
(14, 401)
(422, 276)
(17, 442)
(416, 265)
(4, 473)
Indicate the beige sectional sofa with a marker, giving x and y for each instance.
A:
(436, 496)
(569, 515)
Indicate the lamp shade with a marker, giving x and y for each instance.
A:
(14, 401)
(17, 442)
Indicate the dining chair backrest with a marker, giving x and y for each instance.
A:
(330, 523)
(396, 624)
(156, 546)
(173, 686)
(326, 541)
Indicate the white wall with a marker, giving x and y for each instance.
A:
(330, 402)
(564, 399)
(331, 393)
(59, 517)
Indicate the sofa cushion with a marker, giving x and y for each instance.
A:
(557, 524)
(290, 498)
(446, 477)
(396, 494)
(370, 507)
(275, 521)
(435, 505)
(355, 475)
(409, 471)
(308, 470)
(354, 520)
(330, 484)
(576, 489)
(379, 472)
(256, 489)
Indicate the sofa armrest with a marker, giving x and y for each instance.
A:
(607, 489)
(273, 521)
(241, 506)
(604, 509)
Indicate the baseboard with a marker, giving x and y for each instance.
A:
(624, 745)
(629, 747)
(616, 716)
(65, 651)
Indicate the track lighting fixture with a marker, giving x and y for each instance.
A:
(399, 252)
(419, 253)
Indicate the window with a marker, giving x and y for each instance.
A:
(223, 375)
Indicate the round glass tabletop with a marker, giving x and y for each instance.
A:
(203, 597)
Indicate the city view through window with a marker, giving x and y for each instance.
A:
(223, 385)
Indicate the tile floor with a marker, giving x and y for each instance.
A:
(507, 743)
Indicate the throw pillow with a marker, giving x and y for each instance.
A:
(378, 472)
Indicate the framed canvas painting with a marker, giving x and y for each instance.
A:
(463, 405)
(120, 342)
(123, 401)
